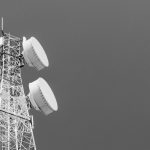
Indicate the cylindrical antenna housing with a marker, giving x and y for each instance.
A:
(34, 53)
(42, 97)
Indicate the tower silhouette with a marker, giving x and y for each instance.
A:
(16, 125)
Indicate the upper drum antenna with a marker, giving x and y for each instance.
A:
(34, 53)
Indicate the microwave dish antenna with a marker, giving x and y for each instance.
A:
(34, 53)
(42, 96)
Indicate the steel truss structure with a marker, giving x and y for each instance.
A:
(16, 125)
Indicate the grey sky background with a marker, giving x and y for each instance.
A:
(99, 53)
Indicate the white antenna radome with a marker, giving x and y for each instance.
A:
(34, 53)
(42, 97)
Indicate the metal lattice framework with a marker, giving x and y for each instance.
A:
(16, 125)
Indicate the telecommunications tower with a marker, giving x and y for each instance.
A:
(16, 125)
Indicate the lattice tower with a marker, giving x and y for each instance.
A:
(16, 125)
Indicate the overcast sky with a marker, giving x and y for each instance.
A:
(99, 53)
